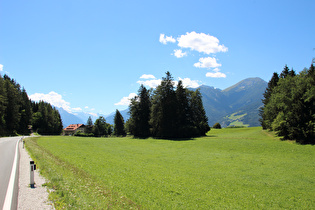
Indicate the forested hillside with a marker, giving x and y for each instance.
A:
(20, 115)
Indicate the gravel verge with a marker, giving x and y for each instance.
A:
(31, 198)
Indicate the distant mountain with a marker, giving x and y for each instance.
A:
(236, 105)
(68, 118)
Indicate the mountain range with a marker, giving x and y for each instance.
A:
(237, 105)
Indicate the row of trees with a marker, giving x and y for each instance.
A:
(289, 105)
(101, 128)
(167, 112)
(18, 114)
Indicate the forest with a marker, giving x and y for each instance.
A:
(20, 115)
(289, 105)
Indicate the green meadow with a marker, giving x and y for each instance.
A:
(239, 168)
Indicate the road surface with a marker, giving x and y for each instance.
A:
(7, 157)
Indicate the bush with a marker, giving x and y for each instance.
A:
(217, 126)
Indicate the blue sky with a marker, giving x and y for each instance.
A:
(91, 55)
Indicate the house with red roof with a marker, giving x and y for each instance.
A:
(73, 128)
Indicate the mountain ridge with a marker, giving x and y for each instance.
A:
(236, 105)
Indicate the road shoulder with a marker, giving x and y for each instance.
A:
(31, 198)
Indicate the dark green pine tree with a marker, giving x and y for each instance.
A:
(139, 110)
(119, 124)
(184, 126)
(199, 114)
(89, 125)
(26, 113)
(265, 120)
(12, 115)
(3, 106)
(163, 110)
(285, 72)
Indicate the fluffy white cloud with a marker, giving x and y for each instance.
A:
(179, 53)
(164, 39)
(1, 67)
(125, 101)
(201, 42)
(207, 62)
(187, 82)
(151, 83)
(54, 99)
(147, 76)
(216, 75)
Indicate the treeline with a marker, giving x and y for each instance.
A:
(289, 105)
(167, 112)
(20, 115)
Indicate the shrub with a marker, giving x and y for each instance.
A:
(217, 126)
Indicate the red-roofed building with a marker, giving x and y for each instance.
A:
(73, 128)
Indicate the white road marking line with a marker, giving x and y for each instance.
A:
(9, 195)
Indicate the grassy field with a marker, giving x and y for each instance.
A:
(244, 168)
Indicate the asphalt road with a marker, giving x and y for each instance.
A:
(7, 153)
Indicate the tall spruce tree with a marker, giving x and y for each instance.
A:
(163, 110)
(12, 115)
(3, 106)
(89, 125)
(265, 120)
(139, 110)
(119, 127)
(185, 127)
(199, 114)
(26, 113)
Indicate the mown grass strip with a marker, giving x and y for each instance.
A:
(229, 169)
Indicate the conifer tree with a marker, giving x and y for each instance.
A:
(266, 119)
(3, 105)
(163, 110)
(139, 110)
(12, 116)
(119, 127)
(185, 127)
(26, 113)
(89, 125)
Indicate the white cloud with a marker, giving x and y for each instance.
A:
(125, 101)
(216, 69)
(207, 62)
(86, 107)
(1, 67)
(201, 42)
(164, 39)
(78, 109)
(151, 83)
(147, 76)
(187, 82)
(54, 99)
(216, 75)
(179, 53)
